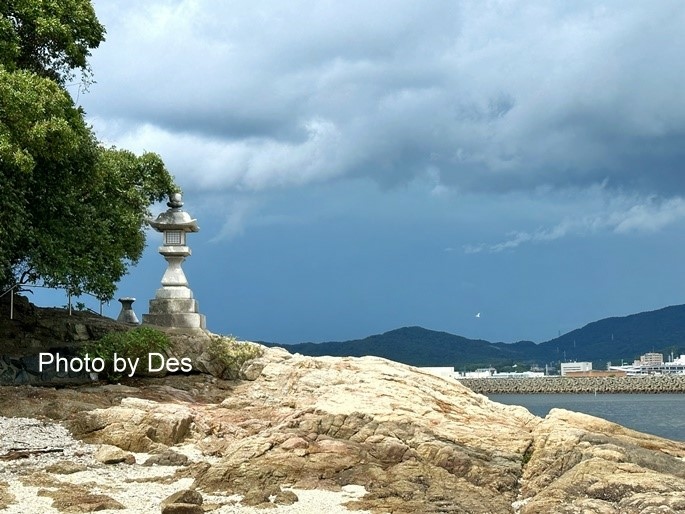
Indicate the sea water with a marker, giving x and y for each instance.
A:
(658, 414)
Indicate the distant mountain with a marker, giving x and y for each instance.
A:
(419, 347)
(624, 337)
(609, 339)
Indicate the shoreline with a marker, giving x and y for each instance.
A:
(654, 384)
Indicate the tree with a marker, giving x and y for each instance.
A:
(73, 212)
(51, 38)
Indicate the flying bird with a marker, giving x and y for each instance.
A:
(478, 315)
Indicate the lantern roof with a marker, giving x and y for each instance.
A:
(174, 218)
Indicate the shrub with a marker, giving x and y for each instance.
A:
(132, 344)
(232, 354)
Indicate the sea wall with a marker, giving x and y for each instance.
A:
(640, 384)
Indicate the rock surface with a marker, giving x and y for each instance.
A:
(410, 441)
(136, 425)
(579, 463)
(186, 501)
(410, 438)
(108, 454)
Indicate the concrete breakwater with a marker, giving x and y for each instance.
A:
(550, 385)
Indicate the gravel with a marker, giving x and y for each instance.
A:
(125, 483)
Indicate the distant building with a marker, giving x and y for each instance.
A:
(680, 360)
(651, 359)
(479, 373)
(439, 371)
(653, 364)
(568, 367)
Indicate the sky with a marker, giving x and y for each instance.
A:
(357, 166)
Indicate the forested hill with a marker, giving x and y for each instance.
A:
(624, 337)
(417, 346)
(608, 339)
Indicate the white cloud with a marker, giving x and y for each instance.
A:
(650, 216)
(247, 164)
(622, 215)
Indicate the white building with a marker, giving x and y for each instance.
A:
(479, 373)
(567, 367)
(651, 359)
(439, 371)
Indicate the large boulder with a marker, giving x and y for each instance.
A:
(136, 425)
(579, 463)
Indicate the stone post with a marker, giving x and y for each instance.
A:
(127, 315)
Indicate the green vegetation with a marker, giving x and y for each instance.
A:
(232, 354)
(132, 344)
(72, 211)
(49, 38)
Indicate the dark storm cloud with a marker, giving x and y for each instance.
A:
(478, 96)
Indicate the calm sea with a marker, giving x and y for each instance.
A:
(658, 414)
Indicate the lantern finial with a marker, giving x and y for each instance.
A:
(175, 201)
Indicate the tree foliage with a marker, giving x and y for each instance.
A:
(51, 38)
(72, 211)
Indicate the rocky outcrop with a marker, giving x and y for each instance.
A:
(410, 438)
(79, 499)
(579, 463)
(216, 355)
(36, 329)
(413, 441)
(167, 457)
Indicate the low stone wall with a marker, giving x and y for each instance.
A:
(26, 370)
(549, 385)
(35, 330)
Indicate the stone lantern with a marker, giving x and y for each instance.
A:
(174, 305)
